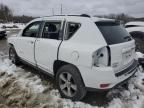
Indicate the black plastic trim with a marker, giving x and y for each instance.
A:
(61, 35)
(128, 70)
(109, 55)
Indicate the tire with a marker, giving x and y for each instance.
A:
(70, 83)
(13, 56)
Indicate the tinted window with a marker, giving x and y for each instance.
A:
(71, 29)
(32, 29)
(113, 32)
(51, 30)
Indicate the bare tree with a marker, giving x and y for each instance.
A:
(5, 13)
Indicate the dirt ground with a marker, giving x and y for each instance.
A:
(93, 98)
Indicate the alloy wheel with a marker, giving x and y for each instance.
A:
(67, 84)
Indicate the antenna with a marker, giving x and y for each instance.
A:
(53, 11)
(61, 9)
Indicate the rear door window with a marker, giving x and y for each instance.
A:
(113, 32)
(51, 30)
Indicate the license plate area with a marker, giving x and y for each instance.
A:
(127, 56)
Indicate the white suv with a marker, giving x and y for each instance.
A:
(82, 53)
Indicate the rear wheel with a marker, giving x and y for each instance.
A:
(13, 56)
(70, 83)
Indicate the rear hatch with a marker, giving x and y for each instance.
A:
(121, 44)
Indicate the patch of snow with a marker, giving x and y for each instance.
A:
(34, 82)
(30, 86)
(7, 66)
(1, 29)
(12, 26)
(139, 55)
(139, 81)
(131, 98)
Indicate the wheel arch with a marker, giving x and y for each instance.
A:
(58, 64)
(10, 44)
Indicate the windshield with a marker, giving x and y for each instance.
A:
(113, 32)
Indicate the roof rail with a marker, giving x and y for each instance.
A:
(82, 15)
(85, 15)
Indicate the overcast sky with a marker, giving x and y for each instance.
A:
(92, 7)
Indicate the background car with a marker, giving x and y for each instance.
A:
(2, 33)
(135, 26)
(136, 29)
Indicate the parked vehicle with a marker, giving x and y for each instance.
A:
(82, 53)
(12, 26)
(137, 26)
(2, 33)
(136, 29)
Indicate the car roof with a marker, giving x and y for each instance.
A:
(73, 18)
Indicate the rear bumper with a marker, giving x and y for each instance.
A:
(128, 70)
(96, 76)
(119, 84)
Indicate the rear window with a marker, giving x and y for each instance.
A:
(113, 32)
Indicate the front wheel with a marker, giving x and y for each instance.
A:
(13, 56)
(69, 83)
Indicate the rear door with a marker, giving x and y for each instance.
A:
(46, 48)
(121, 44)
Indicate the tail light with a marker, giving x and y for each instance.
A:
(101, 58)
(104, 85)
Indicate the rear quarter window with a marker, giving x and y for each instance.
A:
(71, 29)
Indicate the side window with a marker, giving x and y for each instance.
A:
(51, 30)
(32, 29)
(71, 29)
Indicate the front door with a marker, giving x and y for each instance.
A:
(26, 42)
